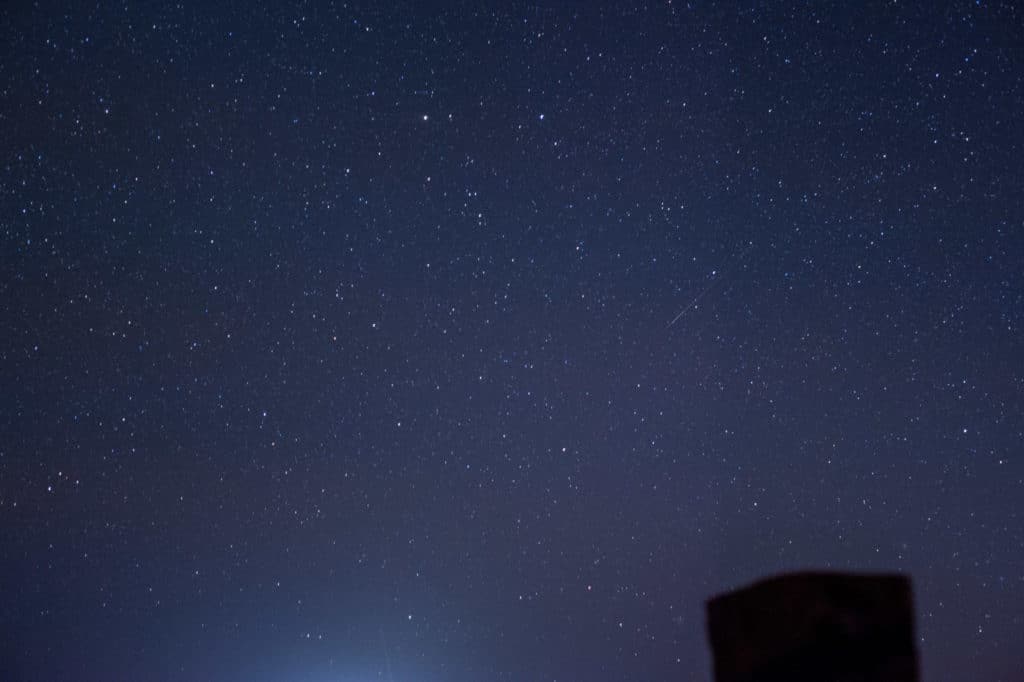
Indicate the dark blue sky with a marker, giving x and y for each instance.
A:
(478, 341)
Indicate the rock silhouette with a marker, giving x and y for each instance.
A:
(825, 627)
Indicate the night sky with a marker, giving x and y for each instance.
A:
(413, 342)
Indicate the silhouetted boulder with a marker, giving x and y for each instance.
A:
(825, 627)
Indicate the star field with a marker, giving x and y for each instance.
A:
(486, 341)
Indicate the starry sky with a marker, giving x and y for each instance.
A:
(426, 342)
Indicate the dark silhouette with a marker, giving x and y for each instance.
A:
(825, 627)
